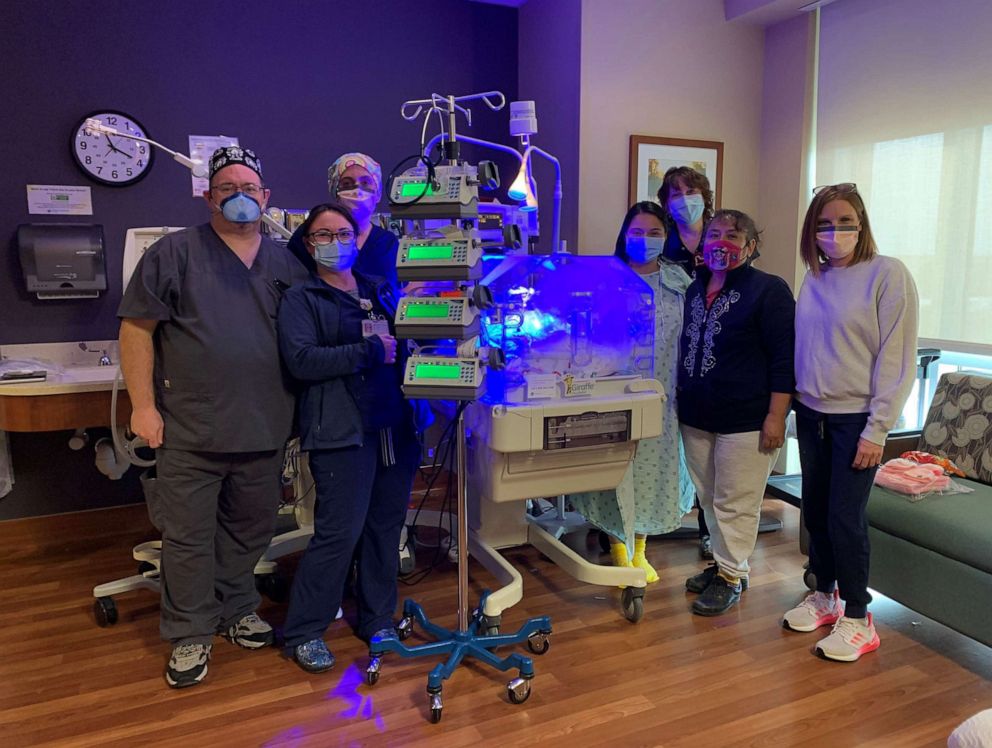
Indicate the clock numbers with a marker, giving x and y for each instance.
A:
(112, 159)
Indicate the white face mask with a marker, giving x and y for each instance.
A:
(360, 202)
(837, 245)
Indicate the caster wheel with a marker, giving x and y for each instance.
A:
(105, 610)
(489, 625)
(518, 690)
(144, 567)
(539, 643)
(404, 629)
(633, 604)
(436, 707)
(809, 579)
(372, 671)
(604, 542)
(273, 586)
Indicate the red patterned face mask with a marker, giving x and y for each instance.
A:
(723, 255)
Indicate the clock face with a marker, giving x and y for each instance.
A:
(112, 159)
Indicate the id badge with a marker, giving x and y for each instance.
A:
(374, 327)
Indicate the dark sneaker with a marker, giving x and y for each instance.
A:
(250, 632)
(188, 665)
(313, 656)
(699, 582)
(706, 548)
(718, 598)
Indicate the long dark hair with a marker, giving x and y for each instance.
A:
(651, 208)
(297, 242)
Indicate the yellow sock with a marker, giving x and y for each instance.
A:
(641, 562)
(618, 552)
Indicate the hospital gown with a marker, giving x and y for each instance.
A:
(656, 490)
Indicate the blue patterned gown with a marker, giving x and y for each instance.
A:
(656, 491)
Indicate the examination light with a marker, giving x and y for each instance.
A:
(198, 168)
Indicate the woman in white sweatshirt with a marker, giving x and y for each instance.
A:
(856, 323)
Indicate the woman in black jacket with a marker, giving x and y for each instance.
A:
(336, 339)
(735, 388)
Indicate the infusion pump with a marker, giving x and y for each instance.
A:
(453, 192)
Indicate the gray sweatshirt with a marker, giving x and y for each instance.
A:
(856, 342)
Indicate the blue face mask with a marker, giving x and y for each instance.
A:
(335, 255)
(687, 209)
(644, 249)
(239, 208)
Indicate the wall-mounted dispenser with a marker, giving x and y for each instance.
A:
(62, 260)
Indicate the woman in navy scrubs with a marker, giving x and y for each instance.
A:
(336, 338)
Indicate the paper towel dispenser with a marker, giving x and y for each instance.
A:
(62, 260)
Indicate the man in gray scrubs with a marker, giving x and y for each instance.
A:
(199, 355)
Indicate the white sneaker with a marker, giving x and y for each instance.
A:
(851, 638)
(818, 609)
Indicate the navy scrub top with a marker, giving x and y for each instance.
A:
(219, 383)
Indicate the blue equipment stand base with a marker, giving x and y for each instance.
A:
(458, 645)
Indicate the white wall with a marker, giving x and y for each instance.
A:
(787, 123)
(671, 68)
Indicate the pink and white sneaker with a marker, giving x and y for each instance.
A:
(818, 609)
(851, 638)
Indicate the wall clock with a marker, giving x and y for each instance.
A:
(112, 159)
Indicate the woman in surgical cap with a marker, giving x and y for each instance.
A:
(660, 482)
(355, 181)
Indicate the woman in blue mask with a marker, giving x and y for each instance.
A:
(337, 341)
(687, 202)
(662, 488)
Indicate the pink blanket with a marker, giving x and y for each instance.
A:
(912, 478)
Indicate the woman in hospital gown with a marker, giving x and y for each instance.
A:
(657, 491)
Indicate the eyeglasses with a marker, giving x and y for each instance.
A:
(229, 188)
(842, 187)
(345, 236)
(350, 183)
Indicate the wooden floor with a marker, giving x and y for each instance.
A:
(674, 679)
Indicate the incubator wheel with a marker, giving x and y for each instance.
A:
(372, 671)
(404, 628)
(633, 604)
(518, 690)
(436, 706)
(105, 610)
(809, 579)
(604, 542)
(539, 643)
(274, 586)
(489, 625)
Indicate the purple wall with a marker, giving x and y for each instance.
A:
(550, 65)
(300, 85)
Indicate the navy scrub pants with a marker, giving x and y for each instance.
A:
(216, 512)
(835, 496)
(360, 510)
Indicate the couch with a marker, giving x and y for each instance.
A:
(935, 555)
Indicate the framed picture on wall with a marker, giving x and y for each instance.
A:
(651, 157)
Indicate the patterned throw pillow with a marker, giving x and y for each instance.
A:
(959, 424)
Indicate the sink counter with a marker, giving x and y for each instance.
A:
(77, 398)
